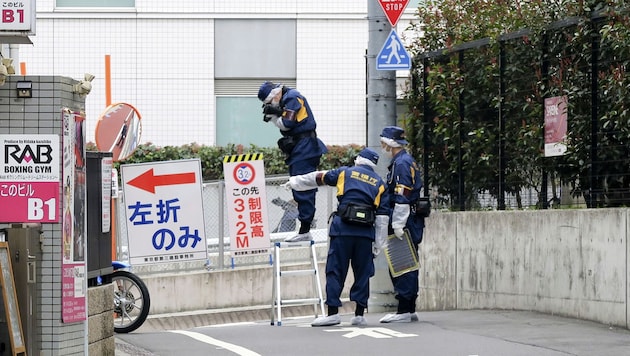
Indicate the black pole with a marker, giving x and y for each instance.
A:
(594, 168)
(502, 158)
(545, 74)
(425, 126)
(460, 166)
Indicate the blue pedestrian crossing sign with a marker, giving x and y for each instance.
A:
(393, 55)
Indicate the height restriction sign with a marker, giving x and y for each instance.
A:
(246, 200)
(393, 9)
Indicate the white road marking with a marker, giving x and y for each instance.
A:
(239, 350)
(377, 333)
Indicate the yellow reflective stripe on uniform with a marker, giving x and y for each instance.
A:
(301, 114)
(340, 183)
(401, 189)
(377, 201)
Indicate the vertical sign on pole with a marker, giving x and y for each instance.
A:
(74, 247)
(164, 211)
(556, 126)
(393, 55)
(246, 199)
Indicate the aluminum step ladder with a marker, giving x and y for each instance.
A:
(279, 273)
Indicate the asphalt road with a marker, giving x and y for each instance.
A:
(449, 333)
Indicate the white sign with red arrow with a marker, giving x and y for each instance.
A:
(164, 211)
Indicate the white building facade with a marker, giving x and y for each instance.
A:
(192, 68)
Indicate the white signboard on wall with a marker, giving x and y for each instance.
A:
(17, 17)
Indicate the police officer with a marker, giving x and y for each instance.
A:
(358, 231)
(287, 109)
(403, 190)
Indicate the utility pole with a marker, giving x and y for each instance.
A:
(381, 112)
(381, 86)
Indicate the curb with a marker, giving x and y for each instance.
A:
(189, 320)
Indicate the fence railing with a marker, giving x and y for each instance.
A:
(478, 118)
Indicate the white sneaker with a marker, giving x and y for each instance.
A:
(358, 320)
(414, 317)
(300, 237)
(327, 320)
(396, 318)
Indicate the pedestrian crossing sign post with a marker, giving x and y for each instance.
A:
(393, 55)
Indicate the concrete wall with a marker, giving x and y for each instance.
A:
(100, 320)
(566, 262)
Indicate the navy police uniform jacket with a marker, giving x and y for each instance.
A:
(404, 186)
(300, 122)
(358, 185)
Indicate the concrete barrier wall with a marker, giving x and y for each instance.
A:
(567, 262)
(573, 263)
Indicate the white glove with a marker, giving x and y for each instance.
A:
(287, 185)
(399, 232)
(375, 250)
(279, 123)
(380, 232)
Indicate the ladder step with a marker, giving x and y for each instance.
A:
(301, 272)
(295, 244)
(299, 301)
(317, 301)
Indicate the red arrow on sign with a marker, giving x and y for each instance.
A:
(393, 9)
(148, 181)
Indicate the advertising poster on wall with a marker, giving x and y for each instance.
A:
(555, 126)
(74, 282)
(29, 178)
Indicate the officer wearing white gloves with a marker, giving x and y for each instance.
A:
(357, 231)
(289, 110)
(404, 186)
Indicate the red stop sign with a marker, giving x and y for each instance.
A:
(393, 9)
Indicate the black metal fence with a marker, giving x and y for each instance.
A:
(477, 118)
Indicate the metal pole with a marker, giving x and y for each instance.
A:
(381, 88)
(381, 112)
(221, 204)
(502, 158)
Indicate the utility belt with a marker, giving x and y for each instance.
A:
(421, 207)
(357, 214)
(288, 143)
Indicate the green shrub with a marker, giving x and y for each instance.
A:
(212, 157)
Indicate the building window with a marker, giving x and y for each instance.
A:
(248, 52)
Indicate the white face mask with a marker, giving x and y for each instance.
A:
(387, 152)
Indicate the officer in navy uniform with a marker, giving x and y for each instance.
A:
(287, 109)
(358, 231)
(404, 186)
